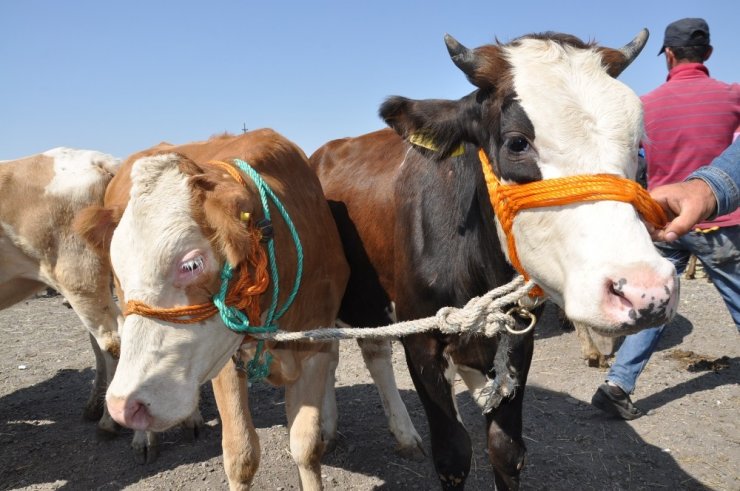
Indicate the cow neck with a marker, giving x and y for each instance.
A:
(508, 199)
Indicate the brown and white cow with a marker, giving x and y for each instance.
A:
(39, 197)
(421, 233)
(178, 217)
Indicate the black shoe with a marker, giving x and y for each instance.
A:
(613, 400)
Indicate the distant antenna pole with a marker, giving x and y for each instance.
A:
(244, 127)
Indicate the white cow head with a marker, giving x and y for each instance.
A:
(548, 106)
(168, 251)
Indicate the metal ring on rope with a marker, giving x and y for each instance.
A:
(523, 313)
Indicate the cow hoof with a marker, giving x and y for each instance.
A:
(146, 455)
(597, 361)
(191, 426)
(190, 433)
(106, 434)
(107, 428)
(146, 447)
(414, 453)
(330, 445)
(93, 412)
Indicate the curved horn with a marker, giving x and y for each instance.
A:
(633, 48)
(463, 57)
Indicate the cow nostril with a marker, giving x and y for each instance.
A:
(615, 292)
(615, 289)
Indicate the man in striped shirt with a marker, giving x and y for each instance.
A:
(689, 120)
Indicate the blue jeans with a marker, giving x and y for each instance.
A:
(719, 253)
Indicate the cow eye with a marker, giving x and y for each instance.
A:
(193, 266)
(517, 144)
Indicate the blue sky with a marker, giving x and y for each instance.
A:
(122, 76)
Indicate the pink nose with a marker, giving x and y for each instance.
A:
(642, 298)
(129, 412)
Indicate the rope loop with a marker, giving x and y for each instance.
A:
(233, 317)
(480, 316)
(446, 322)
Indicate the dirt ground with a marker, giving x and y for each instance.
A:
(689, 439)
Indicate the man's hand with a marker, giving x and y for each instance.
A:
(686, 204)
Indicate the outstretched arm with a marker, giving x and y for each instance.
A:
(709, 191)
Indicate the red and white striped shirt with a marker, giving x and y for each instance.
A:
(689, 120)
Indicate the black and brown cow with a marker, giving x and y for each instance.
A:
(420, 232)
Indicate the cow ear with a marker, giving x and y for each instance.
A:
(96, 224)
(437, 127)
(202, 182)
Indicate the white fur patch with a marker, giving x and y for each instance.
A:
(155, 229)
(585, 121)
(449, 374)
(76, 171)
(162, 365)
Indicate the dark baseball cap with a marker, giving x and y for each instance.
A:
(686, 32)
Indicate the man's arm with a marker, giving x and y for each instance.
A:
(709, 191)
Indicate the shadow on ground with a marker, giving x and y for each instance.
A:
(571, 446)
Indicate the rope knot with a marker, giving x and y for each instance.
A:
(447, 320)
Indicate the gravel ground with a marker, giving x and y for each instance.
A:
(688, 440)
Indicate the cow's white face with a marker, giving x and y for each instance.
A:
(595, 259)
(161, 258)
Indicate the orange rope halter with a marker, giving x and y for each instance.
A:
(244, 293)
(508, 200)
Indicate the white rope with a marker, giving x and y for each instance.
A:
(481, 315)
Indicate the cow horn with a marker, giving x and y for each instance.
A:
(633, 48)
(464, 58)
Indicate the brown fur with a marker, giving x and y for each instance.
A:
(614, 60)
(493, 70)
(216, 203)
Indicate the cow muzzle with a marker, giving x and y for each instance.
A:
(637, 300)
(130, 413)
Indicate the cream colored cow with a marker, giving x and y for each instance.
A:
(39, 197)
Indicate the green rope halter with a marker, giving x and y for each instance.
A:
(237, 320)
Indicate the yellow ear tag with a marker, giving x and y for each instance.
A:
(421, 140)
(244, 216)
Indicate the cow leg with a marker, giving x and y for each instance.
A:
(303, 400)
(451, 446)
(377, 356)
(100, 316)
(329, 406)
(191, 427)
(506, 449)
(595, 348)
(145, 445)
(238, 438)
(95, 409)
